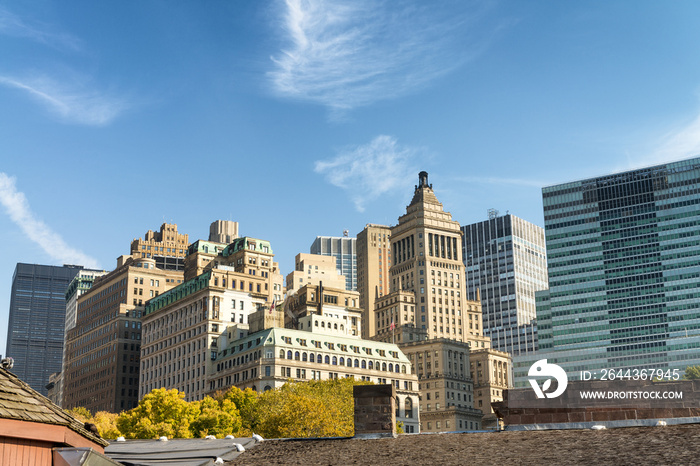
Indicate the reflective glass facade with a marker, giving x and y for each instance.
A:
(344, 250)
(506, 264)
(623, 255)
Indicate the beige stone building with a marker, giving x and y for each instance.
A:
(223, 231)
(166, 247)
(268, 357)
(332, 311)
(314, 269)
(181, 328)
(492, 372)
(103, 349)
(373, 263)
(447, 391)
(427, 301)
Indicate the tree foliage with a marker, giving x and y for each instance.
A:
(160, 413)
(297, 409)
(308, 409)
(692, 372)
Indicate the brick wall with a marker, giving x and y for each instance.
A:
(520, 406)
(375, 409)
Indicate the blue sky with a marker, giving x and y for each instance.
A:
(305, 118)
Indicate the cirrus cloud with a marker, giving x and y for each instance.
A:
(371, 170)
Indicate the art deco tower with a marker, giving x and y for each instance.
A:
(426, 250)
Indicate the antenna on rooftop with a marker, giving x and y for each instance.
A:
(346, 233)
(493, 213)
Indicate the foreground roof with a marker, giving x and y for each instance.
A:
(20, 402)
(673, 444)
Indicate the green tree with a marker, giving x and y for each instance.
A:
(160, 413)
(692, 372)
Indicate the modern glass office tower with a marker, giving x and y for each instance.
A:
(344, 249)
(506, 264)
(623, 254)
(37, 320)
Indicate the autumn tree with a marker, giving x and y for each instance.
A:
(247, 403)
(216, 417)
(308, 409)
(160, 413)
(105, 422)
(692, 372)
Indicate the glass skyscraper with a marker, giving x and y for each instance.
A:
(623, 255)
(37, 321)
(506, 264)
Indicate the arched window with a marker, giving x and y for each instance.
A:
(335, 326)
(335, 360)
(328, 359)
(403, 368)
(408, 408)
(267, 387)
(311, 357)
(370, 365)
(342, 361)
(289, 354)
(357, 363)
(391, 367)
(281, 354)
(303, 356)
(349, 362)
(364, 364)
(384, 366)
(396, 368)
(296, 356)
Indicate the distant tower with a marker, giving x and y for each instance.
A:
(223, 231)
(36, 323)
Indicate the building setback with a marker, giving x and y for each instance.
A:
(36, 321)
(506, 264)
(623, 254)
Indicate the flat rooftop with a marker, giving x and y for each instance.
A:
(673, 444)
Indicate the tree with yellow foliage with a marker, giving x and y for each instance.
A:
(160, 413)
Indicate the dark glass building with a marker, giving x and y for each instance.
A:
(37, 320)
(623, 254)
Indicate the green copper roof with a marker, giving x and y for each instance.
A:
(175, 294)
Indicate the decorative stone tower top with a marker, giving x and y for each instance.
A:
(423, 181)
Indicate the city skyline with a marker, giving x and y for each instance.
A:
(117, 116)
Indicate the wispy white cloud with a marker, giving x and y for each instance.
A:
(530, 183)
(20, 213)
(677, 143)
(76, 105)
(368, 171)
(345, 54)
(13, 25)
